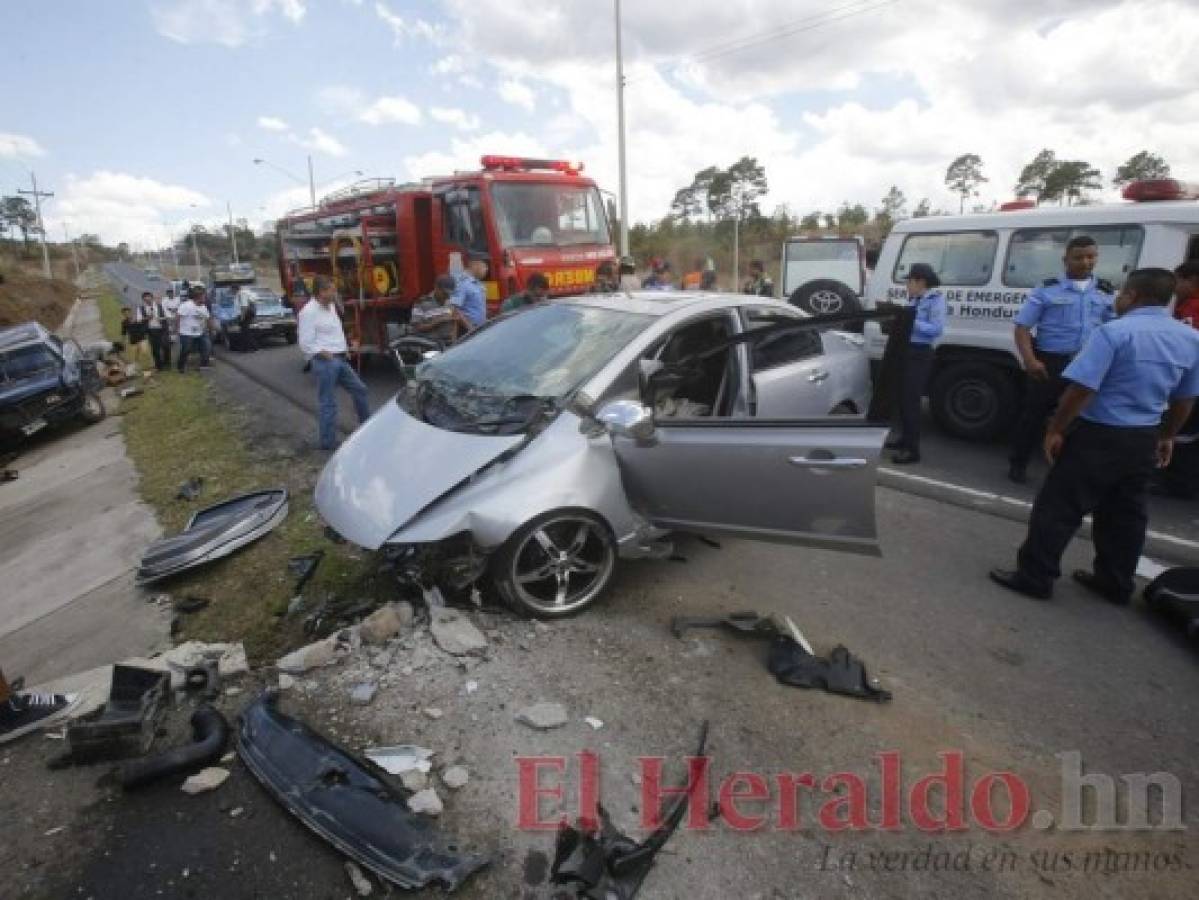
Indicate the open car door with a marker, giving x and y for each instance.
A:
(805, 482)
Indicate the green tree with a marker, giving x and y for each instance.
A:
(922, 209)
(830, 221)
(691, 202)
(894, 203)
(1069, 181)
(964, 176)
(18, 214)
(734, 193)
(1141, 166)
(853, 217)
(810, 222)
(1034, 176)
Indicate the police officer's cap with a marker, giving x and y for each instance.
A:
(924, 272)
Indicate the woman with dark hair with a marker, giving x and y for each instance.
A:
(927, 327)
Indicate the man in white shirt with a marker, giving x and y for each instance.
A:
(323, 342)
(170, 306)
(193, 328)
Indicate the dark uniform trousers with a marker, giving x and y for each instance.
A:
(1040, 398)
(1104, 470)
(916, 369)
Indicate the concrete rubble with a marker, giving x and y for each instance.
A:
(543, 716)
(317, 655)
(205, 780)
(455, 633)
(426, 803)
(363, 693)
(386, 622)
(455, 777)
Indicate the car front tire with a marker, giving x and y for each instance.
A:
(556, 565)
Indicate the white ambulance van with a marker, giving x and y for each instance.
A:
(989, 262)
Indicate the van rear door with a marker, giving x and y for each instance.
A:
(823, 276)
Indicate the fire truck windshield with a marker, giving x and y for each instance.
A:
(549, 215)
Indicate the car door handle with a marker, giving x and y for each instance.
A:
(818, 375)
(816, 462)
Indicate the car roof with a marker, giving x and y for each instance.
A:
(664, 303)
(20, 335)
(1186, 211)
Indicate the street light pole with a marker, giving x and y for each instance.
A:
(624, 185)
(74, 254)
(232, 232)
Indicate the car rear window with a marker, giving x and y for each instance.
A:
(958, 257)
(1035, 254)
(822, 251)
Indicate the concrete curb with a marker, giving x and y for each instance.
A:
(1160, 545)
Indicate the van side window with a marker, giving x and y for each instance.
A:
(1035, 254)
(959, 257)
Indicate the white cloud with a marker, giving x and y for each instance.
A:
(464, 153)
(460, 119)
(320, 141)
(403, 29)
(123, 207)
(229, 23)
(233, 139)
(14, 146)
(389, 110)
(271, 123)
(517, 93)
(1098, 83)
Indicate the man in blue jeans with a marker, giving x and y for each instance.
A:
(323, 341)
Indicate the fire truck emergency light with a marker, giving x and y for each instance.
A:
(521, 162)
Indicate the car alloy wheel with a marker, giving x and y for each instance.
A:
(557, 564)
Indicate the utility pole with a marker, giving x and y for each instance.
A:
(74, 254)
(232, 232)
(37, 205)
(736, 251)
(624, 182)
(311, 183)
(196, 254)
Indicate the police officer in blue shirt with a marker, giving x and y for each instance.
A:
(927, 326)
(469, 296)
(1130, 372)
(1063, 311)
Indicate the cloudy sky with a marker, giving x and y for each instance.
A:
(143, 115)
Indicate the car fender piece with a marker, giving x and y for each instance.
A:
(214, 532)
(344, 801)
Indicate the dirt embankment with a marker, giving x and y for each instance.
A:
(25, 297)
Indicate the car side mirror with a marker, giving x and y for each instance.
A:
(628, 419)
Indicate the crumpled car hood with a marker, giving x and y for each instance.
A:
(394, 466)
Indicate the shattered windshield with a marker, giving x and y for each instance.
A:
(549, 215)
(506, 376)
(18, 364)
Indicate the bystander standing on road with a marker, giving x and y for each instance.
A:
(662, 278)
(537, 290)
(433, 316)
(153, 316)
(170, 306)
(1181, 478)
(136, 336)
(193, 329)
(469, 296)
(759, 282)
(1051, 327)
(606, 280)
(1129, 373)
(927, 327)
(323, 340)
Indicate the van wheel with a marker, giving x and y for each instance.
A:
(556, 565)
(825, 297)
(93, 408)
(973, 400)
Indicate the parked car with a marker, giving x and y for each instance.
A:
(558, 438)
(824, 275)
(44, 381)
(256, 308)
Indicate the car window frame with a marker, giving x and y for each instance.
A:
(752, 346)
(1072, 231)
(986, 232)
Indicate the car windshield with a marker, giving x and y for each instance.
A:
(549, 215)
(27, 361)
(502, 376)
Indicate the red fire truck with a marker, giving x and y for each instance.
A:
(384, 243)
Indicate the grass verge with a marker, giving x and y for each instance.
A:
(179, 429)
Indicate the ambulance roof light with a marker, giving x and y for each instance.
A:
(1013, 205)
(1150, 190)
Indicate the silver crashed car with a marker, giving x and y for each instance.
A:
(560, 438)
